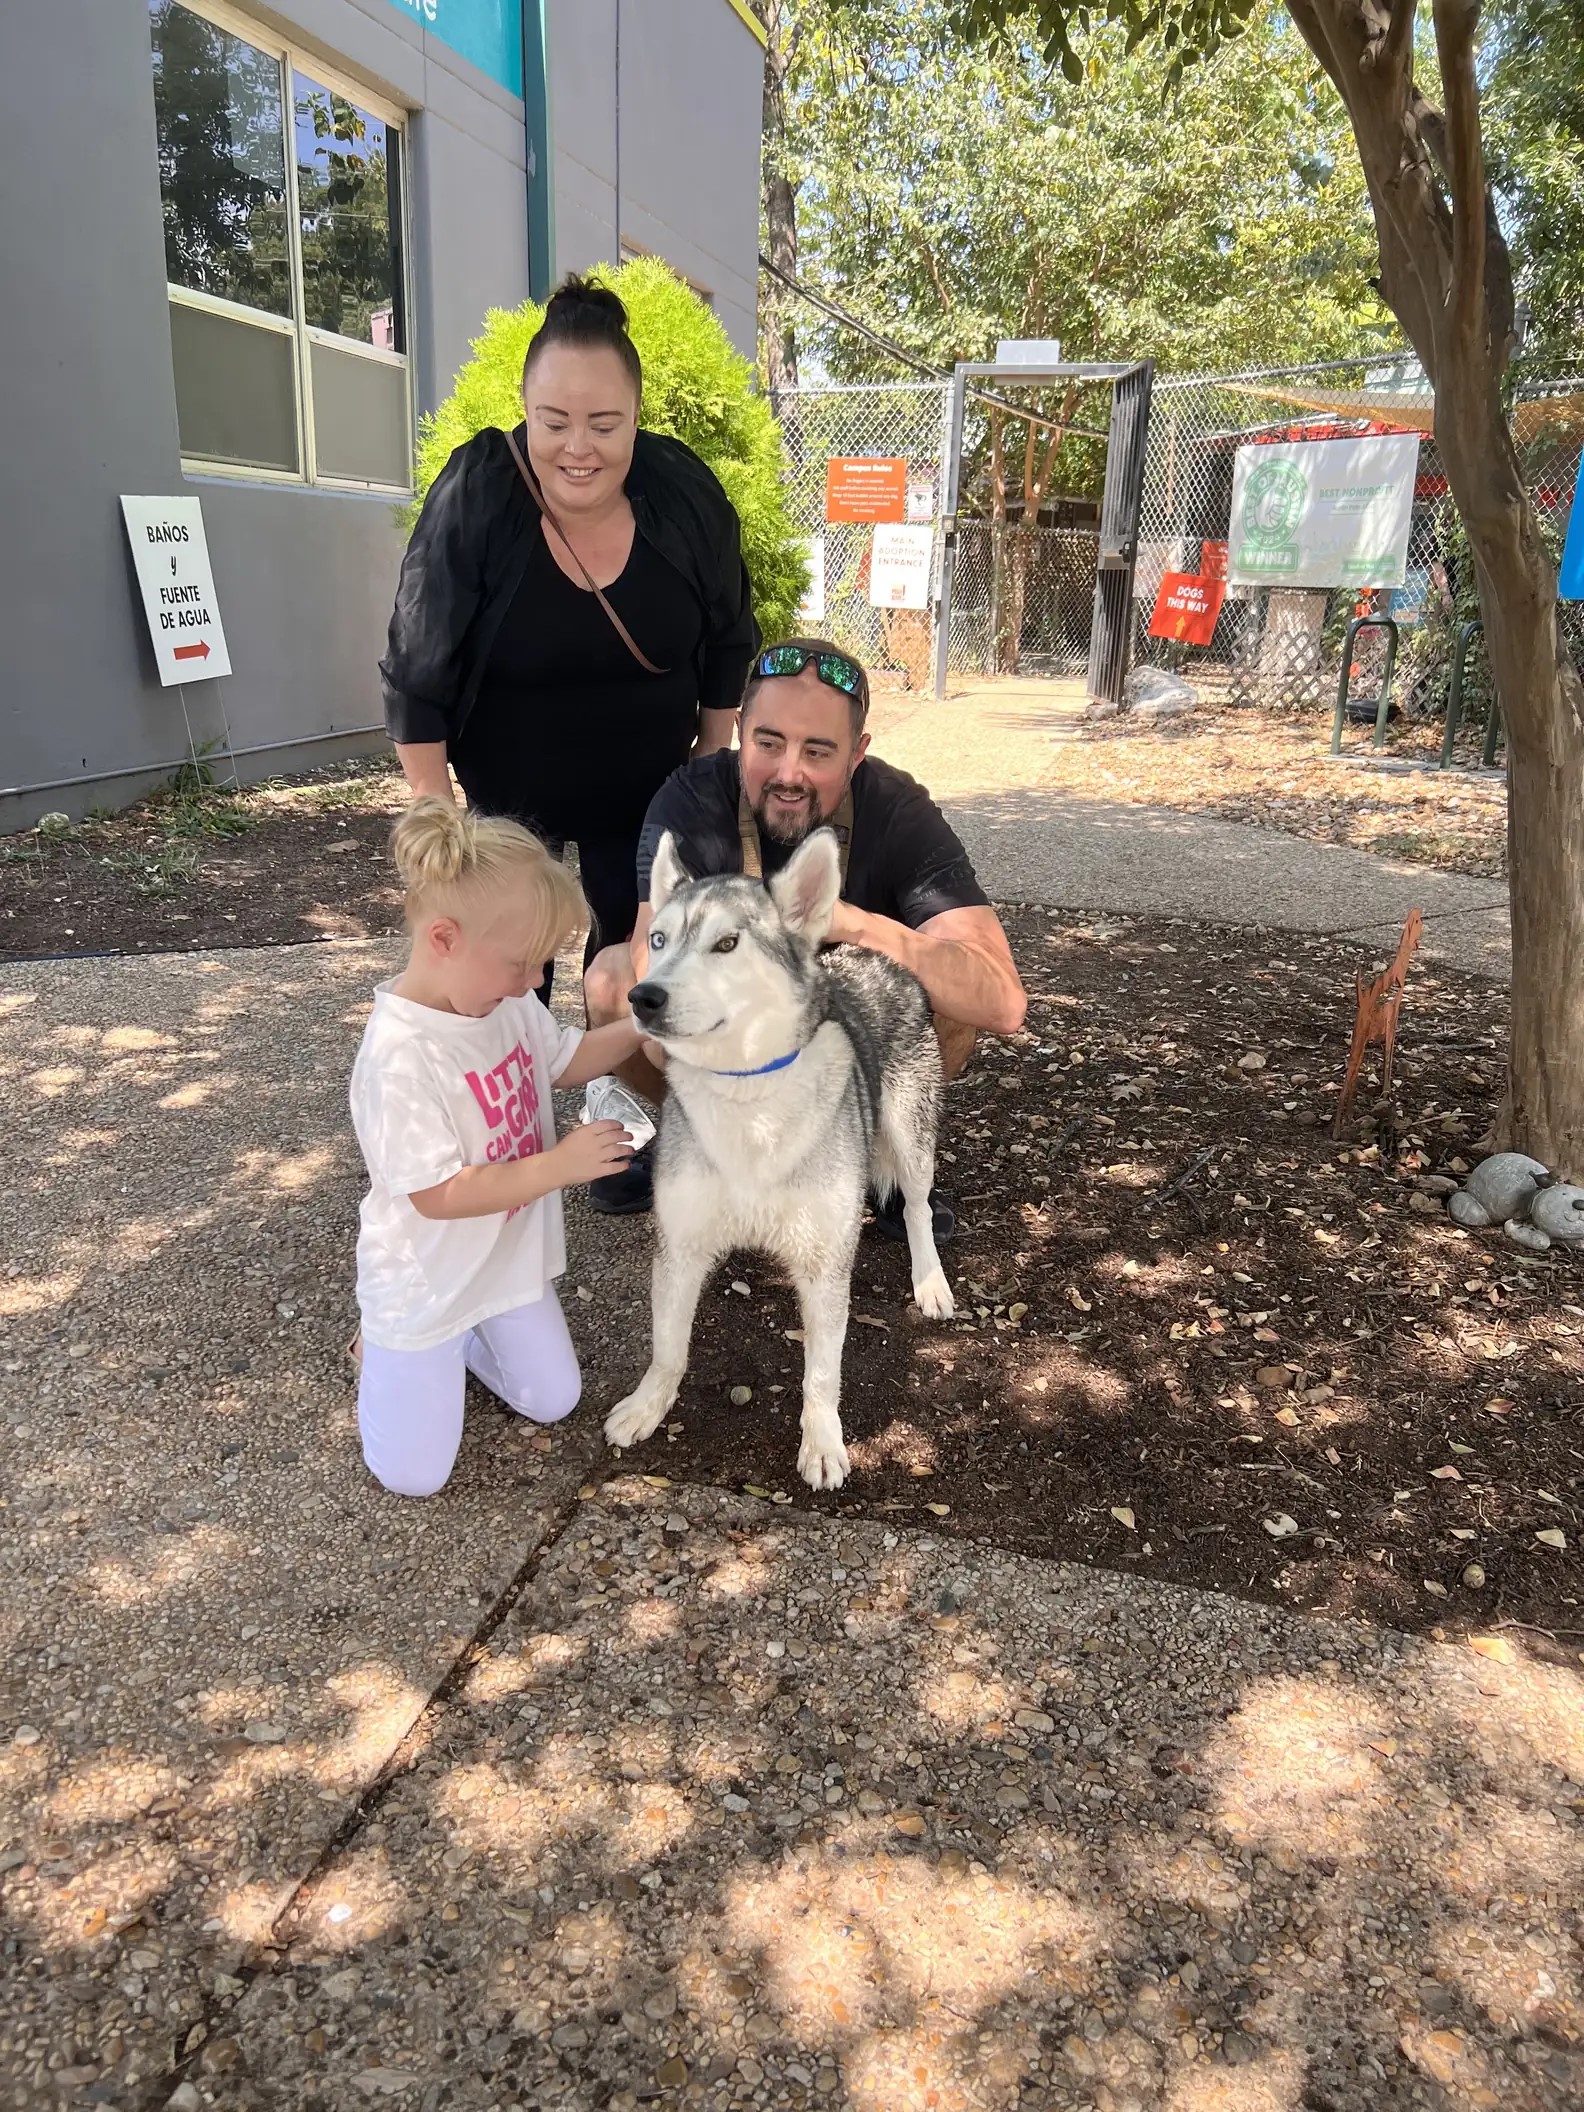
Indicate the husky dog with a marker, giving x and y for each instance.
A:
(794, 1083)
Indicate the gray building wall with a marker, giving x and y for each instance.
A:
(682, 142)
(304, 575)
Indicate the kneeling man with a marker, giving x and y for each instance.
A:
(908, 888)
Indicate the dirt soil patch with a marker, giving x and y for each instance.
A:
(1292, 1377)
(197, 867)
(1278, 774)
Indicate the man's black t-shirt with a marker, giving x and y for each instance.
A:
(904, 862)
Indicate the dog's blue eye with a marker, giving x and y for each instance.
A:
(725, 945)
(657, 942)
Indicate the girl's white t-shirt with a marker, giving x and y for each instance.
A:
(433, 1092)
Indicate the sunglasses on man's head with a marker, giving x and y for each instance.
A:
(835, 670)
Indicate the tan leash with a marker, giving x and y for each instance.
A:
(840, 823)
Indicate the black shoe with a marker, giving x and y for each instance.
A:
(889, 1220)
(628, 1193)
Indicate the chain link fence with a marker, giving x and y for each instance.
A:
(1281, 649)
(1027, 536)
(904, 421)
(1022, 590)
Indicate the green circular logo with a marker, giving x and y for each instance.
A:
(1273, 502)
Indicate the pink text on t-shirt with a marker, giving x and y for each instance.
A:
(509, 1099)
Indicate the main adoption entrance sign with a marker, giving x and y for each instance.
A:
(1323, 513)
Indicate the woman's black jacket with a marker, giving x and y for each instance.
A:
(470, 549)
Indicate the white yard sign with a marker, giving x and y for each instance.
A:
(899, 567)
(172, 560)
(1323, 513)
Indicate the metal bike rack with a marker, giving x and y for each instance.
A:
(1460, 653)
(1366, 623)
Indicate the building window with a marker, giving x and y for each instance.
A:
(285, 269)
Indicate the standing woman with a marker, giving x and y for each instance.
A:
(573, 620)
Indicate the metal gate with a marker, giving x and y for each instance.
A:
(1116, 548)
(1112, 635)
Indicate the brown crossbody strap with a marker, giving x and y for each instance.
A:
(840, 823)
(538, 498)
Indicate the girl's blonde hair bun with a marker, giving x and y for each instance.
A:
(454, 862)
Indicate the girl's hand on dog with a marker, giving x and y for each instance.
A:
(590, 1151)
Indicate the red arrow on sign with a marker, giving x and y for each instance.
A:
(200, 651)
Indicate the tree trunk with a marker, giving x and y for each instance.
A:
(1542, 700)
(1002, 658)
(1446, 276)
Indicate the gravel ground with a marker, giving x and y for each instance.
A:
(214, 1631)
(742, 1810)
(614, 1858)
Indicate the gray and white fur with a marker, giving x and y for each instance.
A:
(778, 1159)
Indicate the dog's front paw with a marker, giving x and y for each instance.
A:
(823, 1461)
(637, 1417)
(933, 1296)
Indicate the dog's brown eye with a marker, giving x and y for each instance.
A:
(725, 945)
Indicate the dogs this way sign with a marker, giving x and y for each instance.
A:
(172, 561)
(1187, 608)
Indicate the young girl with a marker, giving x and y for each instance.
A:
(461, 1235)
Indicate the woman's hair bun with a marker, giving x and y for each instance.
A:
(584, 314)
(585, 299)
(430, 844)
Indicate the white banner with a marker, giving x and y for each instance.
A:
(1323, 513)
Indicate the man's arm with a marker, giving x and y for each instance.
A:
(425, 769)
(638, 946)
(960, 956)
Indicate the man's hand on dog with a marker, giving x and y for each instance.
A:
(846, 925)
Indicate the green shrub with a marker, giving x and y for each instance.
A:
(696, 388)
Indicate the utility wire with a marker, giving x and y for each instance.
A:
(849, 321)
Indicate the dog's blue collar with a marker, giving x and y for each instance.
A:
(764, 1069)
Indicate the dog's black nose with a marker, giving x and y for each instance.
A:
(648, 1001)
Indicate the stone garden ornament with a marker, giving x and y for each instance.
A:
(1518, 1193)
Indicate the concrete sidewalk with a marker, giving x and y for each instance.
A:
(988, 756)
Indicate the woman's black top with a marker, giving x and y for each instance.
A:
(568, 731)
(489, 635)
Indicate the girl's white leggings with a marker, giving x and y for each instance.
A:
(410, 1400)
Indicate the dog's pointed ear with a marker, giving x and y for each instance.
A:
(667, 874)
(806, 888)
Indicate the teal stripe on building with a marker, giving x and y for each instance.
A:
(487, 32)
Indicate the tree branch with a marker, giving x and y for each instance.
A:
(1396, 46)
(1307, 21)
(936, 281)
(1455, 24)
(1412, 224)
